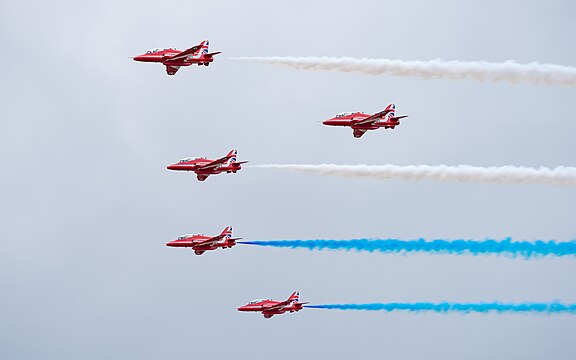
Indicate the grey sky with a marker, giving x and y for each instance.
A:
(87, 204)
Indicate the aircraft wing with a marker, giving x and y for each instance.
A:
(278, 306)
(210, 241)
(214, 164)
(213, 240)
(275, 307)
(373, 118)
(184, 54)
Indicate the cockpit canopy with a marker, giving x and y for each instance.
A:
(342, 114)
(188, 159)
(256, 301)
(186, 236)
(152, 51)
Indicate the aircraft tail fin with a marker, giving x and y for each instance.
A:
(392, 110)
(204, 46)
(295, 296)
(233, 154)
(227, 232)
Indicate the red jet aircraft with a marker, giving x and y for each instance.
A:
(269, 308)
(204, 167)
(360, 122)
(201, 243)
(174, 59)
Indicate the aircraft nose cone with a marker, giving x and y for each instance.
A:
(170, 243)
(170, 167)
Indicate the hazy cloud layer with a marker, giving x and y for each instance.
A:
(86, 202)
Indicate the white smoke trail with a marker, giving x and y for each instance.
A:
(508, 71)
(559, 176)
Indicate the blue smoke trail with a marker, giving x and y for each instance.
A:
(446, 307)
(507, 247)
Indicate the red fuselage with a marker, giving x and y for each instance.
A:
(201, 243)
(268, 307)
(163, 56)
(196, 165)
(351, 120)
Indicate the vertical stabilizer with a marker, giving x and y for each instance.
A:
(233, 157)
(227, 232)
(295, 296)
(392, 111)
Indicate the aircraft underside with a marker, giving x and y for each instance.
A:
(201, 250)
(268, 315)
(201, 176)
(358, 131)
(172, 68)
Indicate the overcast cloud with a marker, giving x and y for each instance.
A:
(87, 203)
